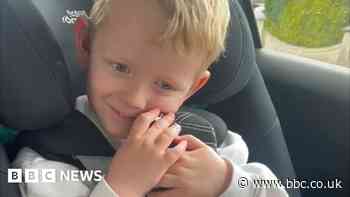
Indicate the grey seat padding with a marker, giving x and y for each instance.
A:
(34, 80)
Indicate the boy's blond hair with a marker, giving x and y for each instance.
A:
(193, 24)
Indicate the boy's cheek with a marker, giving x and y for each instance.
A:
(167, 105)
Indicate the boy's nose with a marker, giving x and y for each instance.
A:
(135, 99)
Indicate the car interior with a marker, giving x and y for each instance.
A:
(292, 112)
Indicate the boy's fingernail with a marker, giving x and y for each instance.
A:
(171, 115)
(155, 111)
(177, 128)
(183, 145)
(159, 117)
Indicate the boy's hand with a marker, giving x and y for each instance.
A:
(143, 159)
(200, 172)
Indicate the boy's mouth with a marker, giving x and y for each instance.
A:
(121, 114)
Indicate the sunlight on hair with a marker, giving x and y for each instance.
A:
(193, 24)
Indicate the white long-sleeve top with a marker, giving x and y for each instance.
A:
(245, 180)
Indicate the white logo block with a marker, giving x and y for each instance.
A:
(48, 175)
(31, 175)
(14, 175)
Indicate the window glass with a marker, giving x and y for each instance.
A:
(317, 29)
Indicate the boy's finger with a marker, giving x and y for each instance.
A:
(165, 139)
(173, 154)
(166, 193)
(193, 142)
(143, 122)
(159, 126)
(168, 181)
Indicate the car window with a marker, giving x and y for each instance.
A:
(317, 29)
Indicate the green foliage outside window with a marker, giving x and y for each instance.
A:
(307, 23)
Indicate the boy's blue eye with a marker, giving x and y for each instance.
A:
(122, 68)
(164, 85)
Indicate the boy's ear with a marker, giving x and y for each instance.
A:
(82, 41)
(201, 80)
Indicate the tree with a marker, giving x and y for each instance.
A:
(307, 23)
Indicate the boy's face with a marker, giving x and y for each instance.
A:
(129, 74)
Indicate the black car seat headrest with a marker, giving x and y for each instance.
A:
(38, 73)
(34, 80)
(231, 73)
(60, 16)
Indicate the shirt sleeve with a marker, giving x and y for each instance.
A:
(103, 189)
(28, 159)
(248, 179)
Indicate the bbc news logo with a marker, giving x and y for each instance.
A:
(51, 175)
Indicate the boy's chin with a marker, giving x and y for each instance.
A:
(118, 132)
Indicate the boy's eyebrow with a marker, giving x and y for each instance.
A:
(113, 60)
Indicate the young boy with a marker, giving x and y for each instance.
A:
(144, 58)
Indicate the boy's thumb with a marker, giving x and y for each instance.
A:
(193, 142)
(174, 153)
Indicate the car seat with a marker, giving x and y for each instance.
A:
(39, 80)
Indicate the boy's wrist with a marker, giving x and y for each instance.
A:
(121, 189)
(228, 176)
